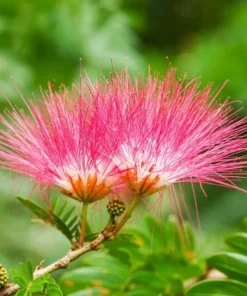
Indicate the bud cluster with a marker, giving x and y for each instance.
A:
(115, 207)
(3, 276)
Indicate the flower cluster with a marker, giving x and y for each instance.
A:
(119, 135)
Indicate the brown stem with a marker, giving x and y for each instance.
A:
(63, 262)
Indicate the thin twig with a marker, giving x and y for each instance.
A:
(63, 262)
(110, 231)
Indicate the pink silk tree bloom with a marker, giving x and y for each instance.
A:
(60, 144)
(171, 132)
(147, 135)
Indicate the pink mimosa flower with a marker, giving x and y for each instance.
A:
(146, 135)
(60, 144)
(171, 132)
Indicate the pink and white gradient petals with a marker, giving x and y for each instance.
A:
(58, 144)
(172, 132)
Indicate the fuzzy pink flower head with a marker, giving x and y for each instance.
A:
(145, 134)
(172, 132)
(60, 144)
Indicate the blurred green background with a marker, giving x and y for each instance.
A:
(42, 41)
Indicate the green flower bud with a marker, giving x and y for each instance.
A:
(115, 207)
(3, 276)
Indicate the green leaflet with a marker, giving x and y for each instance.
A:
(218, 288)
(232, 264)
(24, 278)
(238, 241)
(62, 217)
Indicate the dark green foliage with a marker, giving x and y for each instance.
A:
(131, 265)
